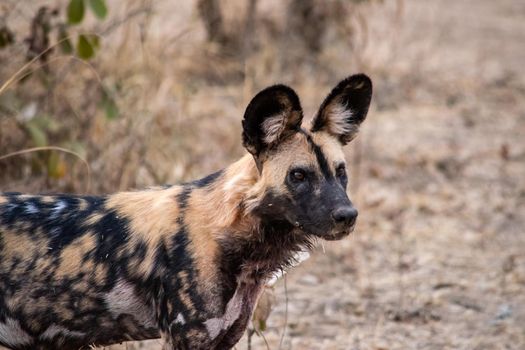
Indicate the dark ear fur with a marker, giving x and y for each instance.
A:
(345, 108)
(273, 114)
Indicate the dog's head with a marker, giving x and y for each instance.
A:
(303, 170)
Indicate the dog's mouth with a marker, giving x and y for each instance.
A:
(337, 235)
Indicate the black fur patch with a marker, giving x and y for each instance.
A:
(321, 158)
(208, 180)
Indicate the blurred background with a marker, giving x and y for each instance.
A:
(102, 95)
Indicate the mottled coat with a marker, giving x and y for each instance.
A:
(188, 262)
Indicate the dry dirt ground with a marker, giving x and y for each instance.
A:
(438, 175)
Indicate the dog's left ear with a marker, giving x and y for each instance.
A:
(345, 108)
(273, 115)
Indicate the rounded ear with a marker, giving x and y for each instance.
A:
(273, 114)
(345, 108)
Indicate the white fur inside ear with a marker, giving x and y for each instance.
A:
(338, 118)
(273, 128)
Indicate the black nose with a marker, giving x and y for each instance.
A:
(346, 215)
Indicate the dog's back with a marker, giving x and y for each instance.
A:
(58, 281)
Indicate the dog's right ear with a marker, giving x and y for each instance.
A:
(273, 115)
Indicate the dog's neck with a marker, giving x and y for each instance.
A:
(253, 245)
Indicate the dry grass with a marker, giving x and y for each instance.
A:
(438, 172)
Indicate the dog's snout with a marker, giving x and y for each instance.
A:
(345, 215)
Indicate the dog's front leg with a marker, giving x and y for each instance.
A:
(188, 336)
(219, 332)
(202, 333)
(246, 295)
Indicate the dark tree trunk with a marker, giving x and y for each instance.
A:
(210, 12)
(307, 20)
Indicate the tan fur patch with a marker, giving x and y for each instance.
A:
(101, 272)
(98, 271)
(93, 219)
(203, 246)
(47, 199)
(80, 286)
(202, 237)
(24, 197)
(152, 215)
(292, 152)
(219, 207)
(3, 200)
(71, 256)
(19, 245)
(13, 302)
(82, 204)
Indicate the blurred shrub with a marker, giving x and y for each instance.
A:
(136, 98)
(50, 36)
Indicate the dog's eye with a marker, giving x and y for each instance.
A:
(298, 175)
(340, 171)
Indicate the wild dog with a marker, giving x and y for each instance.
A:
(185, 263)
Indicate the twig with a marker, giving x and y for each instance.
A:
(131, 14)
(14, 77)
(398, 232)
(285, 314)
(10, 80)
(53, 148)
(261, 334)
(356, 165)
(249, 335)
